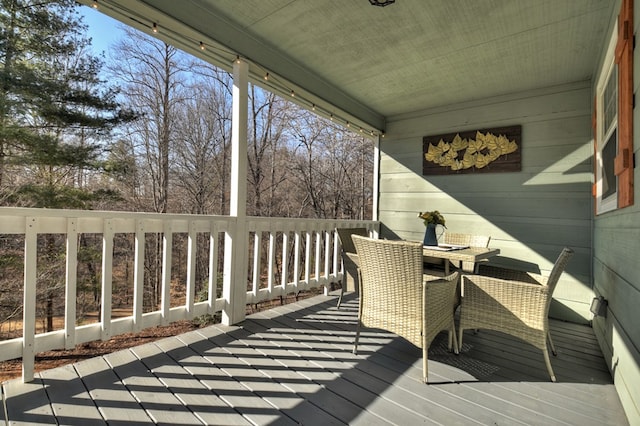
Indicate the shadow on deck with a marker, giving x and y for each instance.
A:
(293, 365)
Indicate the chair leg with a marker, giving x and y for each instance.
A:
(425, 371)
(460, 332)
(553, 349)
(545, 352)
(355, 344)
(453, 339)
(341, 293)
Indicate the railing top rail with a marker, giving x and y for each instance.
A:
(107, 214)
(39, 212)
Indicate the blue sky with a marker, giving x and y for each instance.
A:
(103, 30)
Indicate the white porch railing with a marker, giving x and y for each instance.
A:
(300, 254)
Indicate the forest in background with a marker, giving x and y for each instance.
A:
(146, 128)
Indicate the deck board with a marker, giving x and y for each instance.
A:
(318, 366)
(159, 402)
(28, 403)
(208, 406)
(294, 365)
(70, 401)
(114, 401)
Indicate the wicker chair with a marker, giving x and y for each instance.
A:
(458, 240)
(513, 302)
(349, 257)
(395, 297)
(466, 240)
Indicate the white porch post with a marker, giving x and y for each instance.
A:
(376, 180)
(235, 244)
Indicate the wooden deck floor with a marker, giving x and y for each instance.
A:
(293, 365)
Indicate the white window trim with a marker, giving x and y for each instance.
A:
(611, 202)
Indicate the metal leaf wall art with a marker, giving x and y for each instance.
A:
(479, 151)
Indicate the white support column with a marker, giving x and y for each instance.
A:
(376, 182)
(235, 244)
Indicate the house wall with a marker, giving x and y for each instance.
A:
(531, 214)
(616, 276)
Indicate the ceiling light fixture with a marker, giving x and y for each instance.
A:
(381, 3)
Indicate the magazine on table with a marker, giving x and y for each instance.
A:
(446, 247)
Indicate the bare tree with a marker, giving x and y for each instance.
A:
(202, 143)
(348, 174)
(152, 74)
(269, 116)
(202, 160)
(152, 79)
(307, 163)
(330, 166)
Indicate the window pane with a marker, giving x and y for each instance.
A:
(609, 185)
(610, 100)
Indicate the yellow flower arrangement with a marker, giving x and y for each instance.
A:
(434, 217)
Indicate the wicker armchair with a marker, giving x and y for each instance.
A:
(512, 302)
(395, 297)
(349, 257)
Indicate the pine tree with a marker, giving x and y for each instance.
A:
(54, 109)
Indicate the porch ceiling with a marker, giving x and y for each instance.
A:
(379, 62)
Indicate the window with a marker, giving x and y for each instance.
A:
(607, 134)
(613, 124)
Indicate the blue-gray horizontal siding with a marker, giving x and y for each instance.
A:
(616, 275)
(531, 214)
